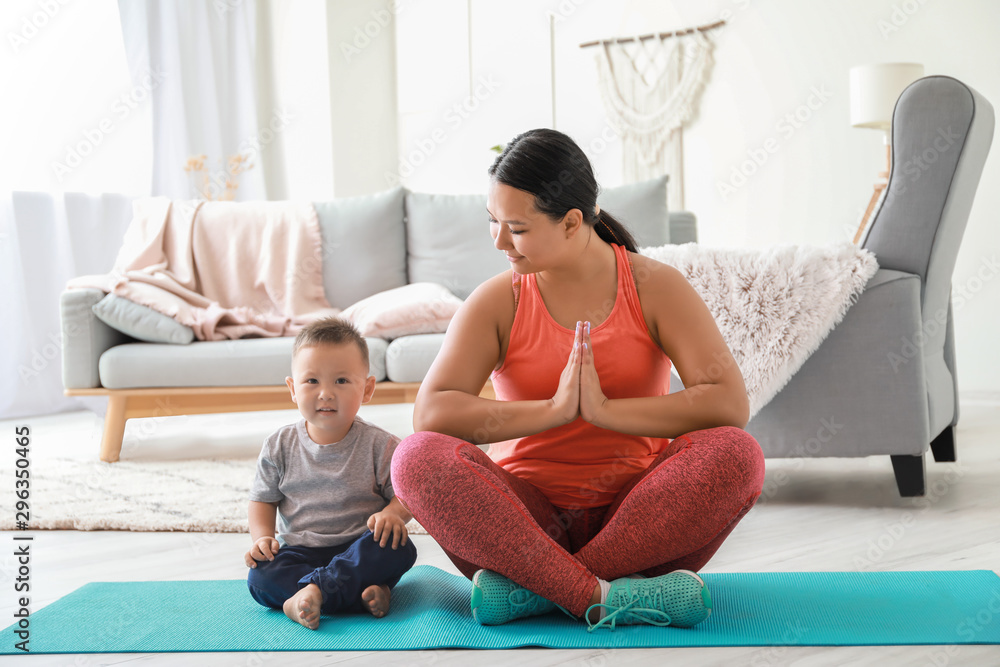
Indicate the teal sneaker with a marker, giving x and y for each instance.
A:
(679, 599)
(497, 600)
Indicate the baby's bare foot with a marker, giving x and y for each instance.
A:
(304, 606)
(376, 599)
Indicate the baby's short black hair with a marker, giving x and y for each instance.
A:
(331, 331)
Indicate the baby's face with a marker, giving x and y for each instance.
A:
(329, 385)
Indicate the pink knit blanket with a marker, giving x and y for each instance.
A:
(225, 269)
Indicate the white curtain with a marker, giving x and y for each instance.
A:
(209, 66)
(45, 240)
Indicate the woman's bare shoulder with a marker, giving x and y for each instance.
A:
(664, 293)
(495, 296)
(656, 280)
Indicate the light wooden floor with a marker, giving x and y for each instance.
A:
(820, 515)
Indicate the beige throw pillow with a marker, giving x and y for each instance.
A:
(417, 308)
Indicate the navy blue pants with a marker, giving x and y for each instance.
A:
(342, 572)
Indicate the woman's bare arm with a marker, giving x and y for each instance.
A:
(448, 400)
(714, 393)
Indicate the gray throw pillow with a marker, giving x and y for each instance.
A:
(141, 322)
(448, 242)
(364, 246)
(642, 208)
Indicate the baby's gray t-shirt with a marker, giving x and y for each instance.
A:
(325, 493)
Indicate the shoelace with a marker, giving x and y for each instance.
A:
(532, 601)
(629, 608)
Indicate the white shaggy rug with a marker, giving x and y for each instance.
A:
(774, 307)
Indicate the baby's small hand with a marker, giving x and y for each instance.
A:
(385, 525)
(263, 549)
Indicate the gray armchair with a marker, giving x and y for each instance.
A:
(884, 381)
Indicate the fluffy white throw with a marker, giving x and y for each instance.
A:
(774, 307)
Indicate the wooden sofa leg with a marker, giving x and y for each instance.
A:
(943, 446)
(909, 471)
(114, 429)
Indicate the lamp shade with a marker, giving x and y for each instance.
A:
(875, 89)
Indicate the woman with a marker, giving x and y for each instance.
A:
(595, 474)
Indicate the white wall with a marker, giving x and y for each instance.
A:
(769, 58)
(362, 65)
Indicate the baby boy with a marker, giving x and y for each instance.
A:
(341, 540)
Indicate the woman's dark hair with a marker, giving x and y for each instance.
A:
(550, 165)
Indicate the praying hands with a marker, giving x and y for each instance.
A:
(579, 392)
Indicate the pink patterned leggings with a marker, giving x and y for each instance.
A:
(673, 515)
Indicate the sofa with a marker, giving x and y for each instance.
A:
(378, 242)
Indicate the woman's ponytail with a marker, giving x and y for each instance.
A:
(613, 231)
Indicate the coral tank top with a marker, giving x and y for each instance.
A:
(579, 465)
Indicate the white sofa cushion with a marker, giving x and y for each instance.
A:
(408, 358)
(231, 363)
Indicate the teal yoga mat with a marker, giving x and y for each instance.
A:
(430, 609)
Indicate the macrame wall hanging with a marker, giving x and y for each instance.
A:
(650, 86)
